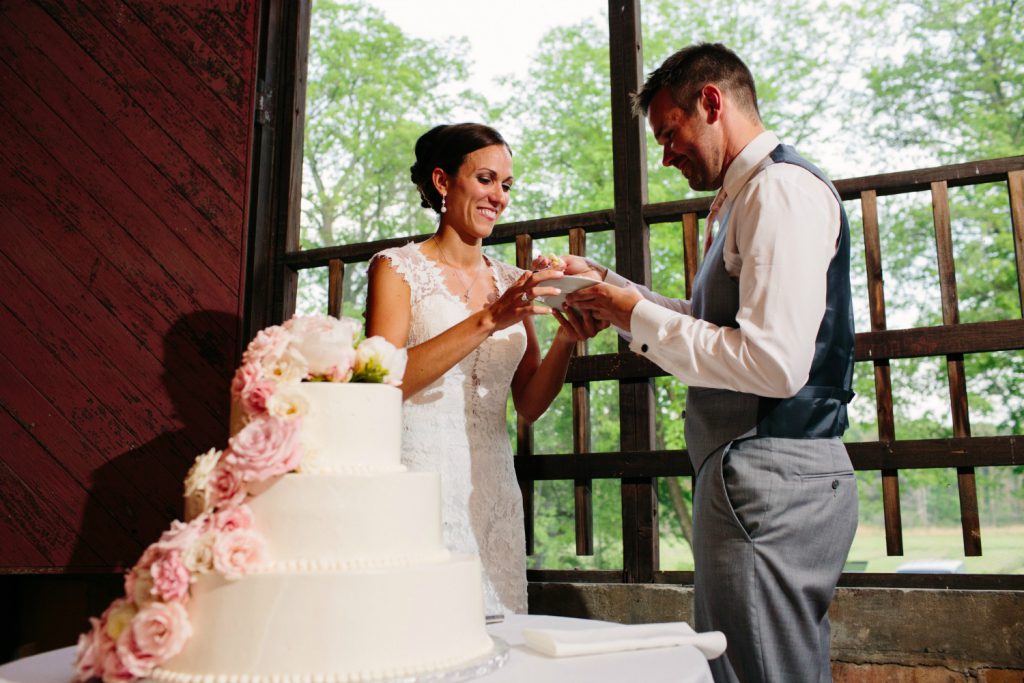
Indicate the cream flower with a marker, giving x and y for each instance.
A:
(290, 366)
(199, 475)
(287, 404)
(117, 617)
(198, 559)
(378, 360)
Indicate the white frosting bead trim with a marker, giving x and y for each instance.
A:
(352, 470)
(391, 673)
(312, 566)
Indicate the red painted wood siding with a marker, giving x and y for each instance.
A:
(124, 158)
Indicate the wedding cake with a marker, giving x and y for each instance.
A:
(311, 555)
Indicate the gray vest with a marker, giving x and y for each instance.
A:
(714, 417)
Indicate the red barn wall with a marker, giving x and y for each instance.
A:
(124, 167)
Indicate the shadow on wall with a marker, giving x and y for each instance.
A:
(135, 495)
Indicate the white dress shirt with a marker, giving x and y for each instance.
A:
(783, 228)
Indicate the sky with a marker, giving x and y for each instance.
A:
(502, 36)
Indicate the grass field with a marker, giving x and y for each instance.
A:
(1003, 549)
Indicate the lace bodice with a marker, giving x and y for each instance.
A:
(456, 426)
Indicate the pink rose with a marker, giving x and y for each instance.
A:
(92, 647)
(114, 669)
(225, 487)
(254, 398)
(180, 536)
(156, 634)
(246, 376)
(233, 519)
(238, 552)
(170, 577)
(264, 448)
(269, 343)
(326, 343)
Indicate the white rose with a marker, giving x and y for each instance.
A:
(284, 403)
(326, 343)
(378, 360)
(199, 475)
(198, 557)
(290, 366)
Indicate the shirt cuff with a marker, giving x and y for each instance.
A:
(613, 278)
(646, 323)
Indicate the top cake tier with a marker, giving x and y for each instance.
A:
(349, 428)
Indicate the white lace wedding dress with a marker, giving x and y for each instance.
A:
(456, 426)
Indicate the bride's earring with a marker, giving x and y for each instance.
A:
(443, 207)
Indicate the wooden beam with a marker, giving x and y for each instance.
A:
(977, 451)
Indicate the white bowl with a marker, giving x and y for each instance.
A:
(568, 284)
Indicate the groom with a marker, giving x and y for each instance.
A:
(766, 348)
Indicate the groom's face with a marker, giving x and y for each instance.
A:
(688, 141)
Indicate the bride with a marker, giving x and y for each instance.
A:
(466, 322)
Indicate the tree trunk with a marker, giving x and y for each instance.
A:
(682, 510)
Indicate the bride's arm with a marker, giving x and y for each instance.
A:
(536, 383)
(389, 312)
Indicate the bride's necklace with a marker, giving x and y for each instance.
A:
(459, 274)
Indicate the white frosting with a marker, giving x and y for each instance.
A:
(350, 428)
(349, 626)
(359, 586)
(334, 520)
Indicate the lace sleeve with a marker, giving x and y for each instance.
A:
(506, 275)
(403, 260)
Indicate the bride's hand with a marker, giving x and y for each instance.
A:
(577, 325)
(516, 304)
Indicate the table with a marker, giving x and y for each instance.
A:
(682, 664)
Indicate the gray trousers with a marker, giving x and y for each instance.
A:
(773, 523)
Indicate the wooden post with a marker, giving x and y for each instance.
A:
(969, 520)
(583, 488)
(636, 397)
(524, 431)
(335, 287)
(883, 381)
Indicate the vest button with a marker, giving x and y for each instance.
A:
(835, 483)
(643, 347)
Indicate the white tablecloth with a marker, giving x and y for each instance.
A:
(681, 664)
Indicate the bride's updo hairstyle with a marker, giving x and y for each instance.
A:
(445, 147)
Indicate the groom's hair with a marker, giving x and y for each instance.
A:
(446, 147)
(687, 72)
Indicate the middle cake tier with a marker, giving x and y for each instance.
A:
(329, 522)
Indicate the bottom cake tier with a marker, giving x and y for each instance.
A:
(333, 627)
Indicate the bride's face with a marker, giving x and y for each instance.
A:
(479, 193)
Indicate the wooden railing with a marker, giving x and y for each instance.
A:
(638, 467)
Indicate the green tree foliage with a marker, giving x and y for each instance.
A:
(860, 88)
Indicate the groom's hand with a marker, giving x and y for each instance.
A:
(584, 267)
(606, 303)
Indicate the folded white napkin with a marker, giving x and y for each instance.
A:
(571, 642)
